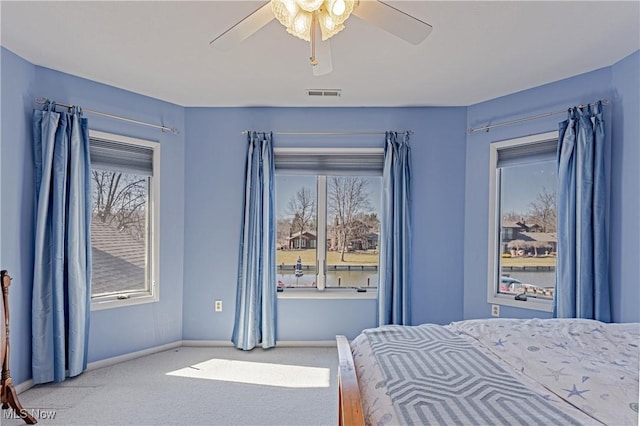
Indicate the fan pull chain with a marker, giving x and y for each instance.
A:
(314, 22)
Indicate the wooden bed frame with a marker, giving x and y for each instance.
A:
(349, 404)
(8, 395)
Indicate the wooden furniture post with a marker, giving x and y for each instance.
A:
(349, 403)
(8, 395)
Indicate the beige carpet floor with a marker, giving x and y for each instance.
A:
(196, 386)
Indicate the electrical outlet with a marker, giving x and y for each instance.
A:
(218, 305)
(495, 310)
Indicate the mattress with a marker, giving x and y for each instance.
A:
(500, 371)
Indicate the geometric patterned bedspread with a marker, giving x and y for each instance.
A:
(589, 364)
(467, 373)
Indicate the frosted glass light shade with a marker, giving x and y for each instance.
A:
(343, 6)
(285, 11)
(301, 24)
(310, 5)
(297, 16)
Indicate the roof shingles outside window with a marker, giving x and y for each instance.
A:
(118, 260)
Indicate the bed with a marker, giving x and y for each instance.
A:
(495, 371)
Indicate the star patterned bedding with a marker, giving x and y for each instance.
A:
(500, 371)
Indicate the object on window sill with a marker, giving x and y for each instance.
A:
(280, 289)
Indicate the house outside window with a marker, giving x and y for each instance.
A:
(328, 217)
(522, 222)
(124, 220)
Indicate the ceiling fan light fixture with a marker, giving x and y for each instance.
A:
(297, 16)
(318, 20)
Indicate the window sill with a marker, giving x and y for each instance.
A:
(531, 303)
(112, 302)
(329, 293)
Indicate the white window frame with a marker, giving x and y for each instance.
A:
(493, 270)
(153, 226)
(321, 232)
(321, 291)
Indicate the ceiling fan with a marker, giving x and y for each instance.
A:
(316, 21)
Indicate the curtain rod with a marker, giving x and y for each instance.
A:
(173, 130)
(409, 132)
(533, 117)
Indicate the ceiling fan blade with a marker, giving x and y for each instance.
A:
(243, 29)
(323, 56)
(393, 20)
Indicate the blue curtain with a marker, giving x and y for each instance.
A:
(394, 299)
(582, 282)
(257, 292)
(62, 264)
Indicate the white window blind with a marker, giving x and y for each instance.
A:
(329, 161)
(122, 157)
(527, 153)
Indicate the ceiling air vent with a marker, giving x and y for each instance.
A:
(324, 93)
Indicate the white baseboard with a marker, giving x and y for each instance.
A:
(133, 355)
(206, 343)
(24, 386)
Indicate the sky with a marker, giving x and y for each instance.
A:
(288, 185)
(521, 184)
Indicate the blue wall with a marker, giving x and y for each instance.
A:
(618, 84)
(16, 183)
(625, 190)
(115, 331)
(215, 156)
(201, 203)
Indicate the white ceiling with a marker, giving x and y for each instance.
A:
(477, 51)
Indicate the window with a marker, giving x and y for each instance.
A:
(328, 217)
(124, 220)
(522, 221)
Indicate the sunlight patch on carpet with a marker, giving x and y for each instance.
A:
(257, 373)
